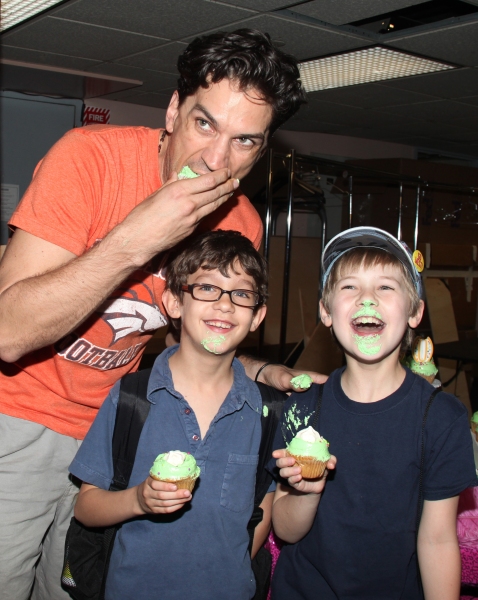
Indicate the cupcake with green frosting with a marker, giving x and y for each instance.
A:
(176, 467)
(311, 452)
(187, 173)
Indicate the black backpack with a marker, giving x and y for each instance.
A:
(88, 549)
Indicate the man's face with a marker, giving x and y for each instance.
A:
(215, 128)
(369, 312)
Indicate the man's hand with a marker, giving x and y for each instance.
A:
(171, 214)
(159, 497)
(280, 377)
(289, 470)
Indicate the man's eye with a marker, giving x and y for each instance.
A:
(246, 142)
(203, 124)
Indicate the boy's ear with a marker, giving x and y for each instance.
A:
(324, 315)
(171, 304)
(414, 321)
(259, 316)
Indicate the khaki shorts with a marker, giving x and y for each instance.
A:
(36, 504)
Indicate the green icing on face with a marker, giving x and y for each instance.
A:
(367, 311)
(265, 411)
(302, 382)
(368, 344)
(187, 173)
(214, 342)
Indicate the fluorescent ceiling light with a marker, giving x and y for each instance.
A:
(364, 66)
(16, 11)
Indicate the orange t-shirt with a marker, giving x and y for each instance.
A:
(87, 184)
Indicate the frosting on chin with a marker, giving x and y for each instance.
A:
(309, 442)
(175, 465)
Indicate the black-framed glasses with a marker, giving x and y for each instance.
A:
(206, 292)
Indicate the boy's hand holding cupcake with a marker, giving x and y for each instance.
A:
(170, 483)
(305, 461)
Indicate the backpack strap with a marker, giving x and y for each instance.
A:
(422, 460)
(272, 405)
(133, 408)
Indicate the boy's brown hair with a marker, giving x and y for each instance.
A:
(219, 250)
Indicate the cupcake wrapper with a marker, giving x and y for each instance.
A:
(187, 483)
(311, 467)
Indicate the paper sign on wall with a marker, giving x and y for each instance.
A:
(98, 116)
(10, 197)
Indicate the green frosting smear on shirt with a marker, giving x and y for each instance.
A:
(163, 469)
(211, 343)
(302, 382)
(265, 411)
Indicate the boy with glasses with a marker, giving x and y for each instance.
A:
(202, 402)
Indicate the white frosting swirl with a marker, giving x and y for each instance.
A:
(174, 457)
(309, 435)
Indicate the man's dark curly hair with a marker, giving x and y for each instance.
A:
(220, 250)
(248, 57)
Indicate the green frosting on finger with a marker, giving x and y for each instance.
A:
(302, 382)
(474, 418)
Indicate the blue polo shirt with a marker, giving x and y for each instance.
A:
(200, 551)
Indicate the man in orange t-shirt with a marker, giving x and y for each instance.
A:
(82, 278)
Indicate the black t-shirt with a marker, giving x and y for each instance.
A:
(362, 541)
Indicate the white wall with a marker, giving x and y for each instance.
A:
(123, 113)
(340, 146)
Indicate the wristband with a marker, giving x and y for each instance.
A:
(261, 369)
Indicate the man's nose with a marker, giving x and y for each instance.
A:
(216, 154)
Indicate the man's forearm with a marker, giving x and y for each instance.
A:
(40, 310)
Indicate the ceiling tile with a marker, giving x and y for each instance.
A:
(370, 96)
(47, 58)
(456, 44)
(260, 5)
(170, 20)
(437, 111)
(340, 13)
(447, 84)
(162, 59)
(300, 39)
(75, 39)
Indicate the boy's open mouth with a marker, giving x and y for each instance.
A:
(367, 325)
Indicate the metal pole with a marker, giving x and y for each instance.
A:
(267, 234)
(417, 213)
(350, 200)
(400, 208)
(288, 239)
